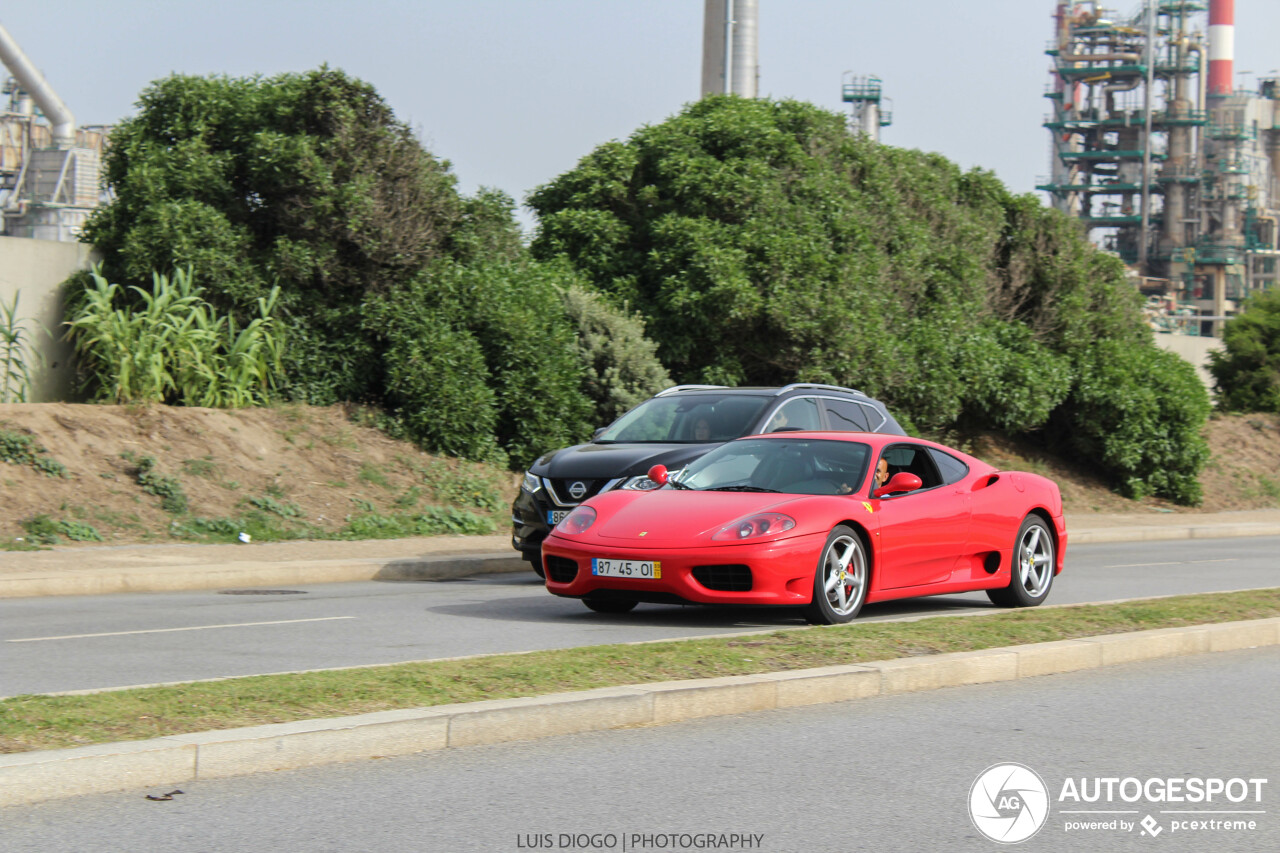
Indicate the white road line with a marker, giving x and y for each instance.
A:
(170, 630)
(1172, 563)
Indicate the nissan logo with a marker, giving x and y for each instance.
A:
(577, 489)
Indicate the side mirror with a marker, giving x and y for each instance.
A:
(599, 432)
(903, 481)
(658, 473)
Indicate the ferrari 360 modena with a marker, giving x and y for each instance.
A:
(822, 521)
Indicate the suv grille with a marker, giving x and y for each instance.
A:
(561, 569)
(562, 489)
(727, 578)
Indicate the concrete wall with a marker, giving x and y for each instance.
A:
(1193, 349)
(32, 270)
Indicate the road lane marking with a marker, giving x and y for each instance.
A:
(1172, 563)
(171, 630)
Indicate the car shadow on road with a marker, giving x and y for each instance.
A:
(552, 609)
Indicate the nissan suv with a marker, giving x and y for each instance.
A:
(673, 428)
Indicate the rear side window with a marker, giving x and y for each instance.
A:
(800, 413)
(951, 468)
(846, 415)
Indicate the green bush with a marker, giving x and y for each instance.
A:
(1138, 414)
(765, 245)
(1247, 372)
(620, 365)
(481, 361)
(172, 497)
(20, 449)
(46, 531)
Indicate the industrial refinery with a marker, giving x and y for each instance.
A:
(1161, 157)
(49, 172)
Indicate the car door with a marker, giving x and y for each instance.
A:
(921, 532)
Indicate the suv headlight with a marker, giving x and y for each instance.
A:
(643, 483)
(531, 483)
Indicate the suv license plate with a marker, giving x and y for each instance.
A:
(555, 516)
(644, 569)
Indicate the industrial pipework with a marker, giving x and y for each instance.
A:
(63, 123)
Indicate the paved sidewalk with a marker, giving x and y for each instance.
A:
(96, 569)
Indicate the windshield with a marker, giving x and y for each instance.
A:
(794, 466)
(691, 418)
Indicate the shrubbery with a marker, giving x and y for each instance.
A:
(764, 245)
(304, 190)
(757, 241)
(1247, 372)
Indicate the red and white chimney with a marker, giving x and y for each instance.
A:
(1222, 46)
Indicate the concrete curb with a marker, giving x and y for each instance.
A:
(35, 776)
(1100, 535)
(256, 573)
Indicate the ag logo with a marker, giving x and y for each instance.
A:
(577, 489)
(1008, 803)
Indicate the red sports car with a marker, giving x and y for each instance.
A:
(821, 520)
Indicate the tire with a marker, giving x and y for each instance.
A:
(537, 567)
(840, 579)
(1032, 569)
(608, 605)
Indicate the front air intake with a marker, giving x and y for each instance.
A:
(725, 578)
(561, 569)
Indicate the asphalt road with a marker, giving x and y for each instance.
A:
(75, 643)
(886, 774)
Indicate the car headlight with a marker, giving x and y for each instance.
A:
(643, 483)
(531, 483)
(757, 524)
(577, 521)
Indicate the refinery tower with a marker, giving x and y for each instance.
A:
(1159, 155)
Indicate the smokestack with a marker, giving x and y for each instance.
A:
(730, 62)
(1222, 46)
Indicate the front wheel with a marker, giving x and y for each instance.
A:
(840, 581)
(608, 605)
(1032, 570)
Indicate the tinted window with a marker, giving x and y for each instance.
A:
(846, 415)
(951, 468)
(687, 417)
(877, 419)
(800, 413)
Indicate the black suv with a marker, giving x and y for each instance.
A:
(673, 428)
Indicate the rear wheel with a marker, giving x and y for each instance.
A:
(1033, 564)
(840, 581)
(608, 605)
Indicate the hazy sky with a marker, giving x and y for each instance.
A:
(514, 92)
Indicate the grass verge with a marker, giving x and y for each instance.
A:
(53, 722)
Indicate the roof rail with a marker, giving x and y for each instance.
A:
(794, 386)
(675, 388)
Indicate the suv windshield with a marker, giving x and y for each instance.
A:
(689, 418)
(800, 466)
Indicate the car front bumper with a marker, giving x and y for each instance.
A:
(781, 572)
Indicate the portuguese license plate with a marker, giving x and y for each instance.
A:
(644, 569)
(555, 516)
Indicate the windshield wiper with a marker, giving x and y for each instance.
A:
(740, 489)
